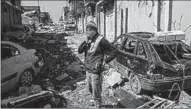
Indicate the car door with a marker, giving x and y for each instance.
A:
(8, 72)
(126, 56)
(117, 44)
(141, 58)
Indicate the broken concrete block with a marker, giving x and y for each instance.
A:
(51, 42)
(30, 90)
(61, 77)
(111, 92)
(126, 103)
(81, 83)
(113, 78)
(185, 98)
(65, 93)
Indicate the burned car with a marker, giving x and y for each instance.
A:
(153, 61)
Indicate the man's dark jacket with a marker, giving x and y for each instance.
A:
(94, 53)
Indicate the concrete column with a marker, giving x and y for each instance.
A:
(121, 21)
(166, 15)
(126, 20)
(155, 11)
(170, 15)
(115, 8)
(159, 16)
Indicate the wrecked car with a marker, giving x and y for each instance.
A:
(42, 99)
(19, 66)
(153, 61)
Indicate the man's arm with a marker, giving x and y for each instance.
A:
(83, 47)
(110, 50)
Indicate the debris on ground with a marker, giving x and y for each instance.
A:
(34, 97)
(184, 101)
(63, 77)
(113, 78)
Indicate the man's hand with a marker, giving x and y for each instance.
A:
(104, 63)
(88, 41)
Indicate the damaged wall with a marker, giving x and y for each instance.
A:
(110, 27)
(133, 16)
(140, 17)
(182, 8)
(10, 15)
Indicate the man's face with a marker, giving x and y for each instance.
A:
(90, 33)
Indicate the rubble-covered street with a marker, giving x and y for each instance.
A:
(63, 72)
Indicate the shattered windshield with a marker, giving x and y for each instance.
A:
(165, 53)
(181, 50)
(172, 52)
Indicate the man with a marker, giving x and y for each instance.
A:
(94, 49)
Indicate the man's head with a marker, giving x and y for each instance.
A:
(91, 29)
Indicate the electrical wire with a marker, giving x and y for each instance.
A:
(169, 96)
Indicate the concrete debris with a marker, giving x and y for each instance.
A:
(113, 78)
(185, 98)
(30, 90)
(81, 83)
(65, 93)
(38, 99)
(126, 103)
(62, 77)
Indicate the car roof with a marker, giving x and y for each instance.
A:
(149, 37)
(140, 35)
(21, 49)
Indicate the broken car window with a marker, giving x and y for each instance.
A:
(165, 53)
(6, 52)
(118, 41)
(14, 51)
(130, 45)
(180, 50)
(141, 51)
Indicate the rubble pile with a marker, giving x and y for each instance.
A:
(61, 65)
(61, 70)
(35, 97)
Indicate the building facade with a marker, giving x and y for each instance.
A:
(11, 11)
(149, 16)
(115, 17)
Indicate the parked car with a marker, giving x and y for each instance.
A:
(69, 26)
(152, 62)
(16, 35)
(18, 66)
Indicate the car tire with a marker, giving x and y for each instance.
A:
(135, 84)
(26, 78)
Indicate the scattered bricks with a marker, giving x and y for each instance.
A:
(62, 77)
(126, 103)
(65, 93)
(81, 83)
(35, 89)
(30, 90)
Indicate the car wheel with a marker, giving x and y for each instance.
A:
(135, 84)
(26, 78)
